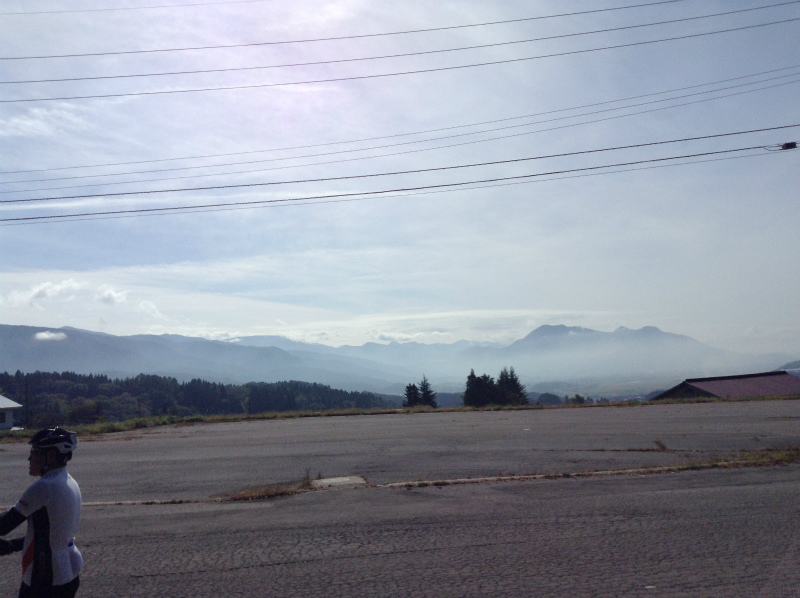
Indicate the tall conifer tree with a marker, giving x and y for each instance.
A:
(426, 394)
(411, 396)
(510, 389)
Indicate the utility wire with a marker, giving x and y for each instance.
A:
(412, 194)
(343, 37)
(401, 73)
(376, 193)
(398, 153)
(61, 12)
(400, 55)
(424, 132)
(415, 171)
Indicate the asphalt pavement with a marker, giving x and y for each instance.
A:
(716, 533)
(201, 461)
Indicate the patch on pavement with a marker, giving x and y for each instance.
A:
(351, 481)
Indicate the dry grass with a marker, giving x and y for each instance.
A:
(771, 457)
(761, 458)
(270, 491)
(265, 492)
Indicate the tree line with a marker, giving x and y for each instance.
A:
(481, 391)
(70, 398)
(420, 396)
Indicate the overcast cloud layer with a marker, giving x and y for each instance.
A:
(705, 246)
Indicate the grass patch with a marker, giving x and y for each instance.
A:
(660, 446)
(786, 455)
(271, 491)
(265, 492)
(15, 436)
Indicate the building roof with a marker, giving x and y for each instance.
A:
(8, 403)
(766, 384)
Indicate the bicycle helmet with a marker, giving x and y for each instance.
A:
(60, 439)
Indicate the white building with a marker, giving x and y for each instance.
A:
(7, 407)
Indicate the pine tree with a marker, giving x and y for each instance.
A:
(412, 397)
(481, 391)
(510, 389)
(426, 394)
(488, 390)
(470, 396)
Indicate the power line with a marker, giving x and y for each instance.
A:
(411, 194)
(487, 122)
(375, 193)
(415, 171)
(59, 12)
(401, 73)
(400, 55)
(344, 37)
(496, 138)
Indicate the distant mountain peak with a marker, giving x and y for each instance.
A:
(551, 352)
(644, 331)
(650, 330)
(548, 337)
(555, 330)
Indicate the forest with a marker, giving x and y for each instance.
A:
(70, 398)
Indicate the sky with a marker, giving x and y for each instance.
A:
(352, 199)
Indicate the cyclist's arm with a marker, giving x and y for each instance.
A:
(9, 546)
(10, 520)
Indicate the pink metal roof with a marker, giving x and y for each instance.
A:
(769, 384)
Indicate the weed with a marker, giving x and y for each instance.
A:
(269, 491)
(265, 492)
(305, 481)
(775, 456)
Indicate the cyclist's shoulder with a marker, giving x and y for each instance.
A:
(51, 482)
(35, 496)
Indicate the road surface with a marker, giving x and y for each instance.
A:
(716, 533)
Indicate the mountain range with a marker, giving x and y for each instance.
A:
(549, 358)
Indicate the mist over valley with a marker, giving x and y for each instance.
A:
(551, 358)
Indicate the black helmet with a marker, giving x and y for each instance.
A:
(60, 439)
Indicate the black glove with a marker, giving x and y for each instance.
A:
(7, 547)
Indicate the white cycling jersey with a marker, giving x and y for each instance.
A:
(52, 506)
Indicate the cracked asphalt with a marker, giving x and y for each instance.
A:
(713, 533)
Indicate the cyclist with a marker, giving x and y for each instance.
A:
(52, 507)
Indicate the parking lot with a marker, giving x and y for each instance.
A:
(696, 533)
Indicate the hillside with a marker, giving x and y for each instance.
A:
(548, 358)
(67, 398)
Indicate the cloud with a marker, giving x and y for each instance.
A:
(400, 337)
(38, 122)
(24, 126)
(50, 336)
(42, 291)
(149, 309)
(106, 294)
